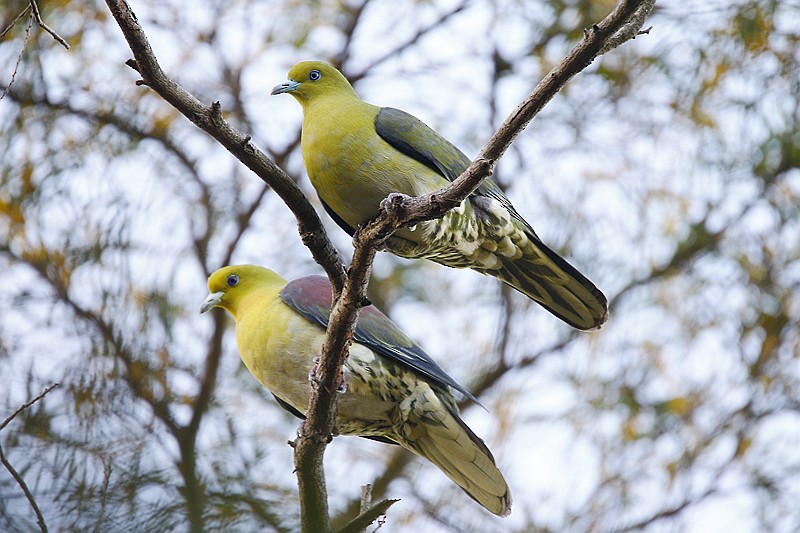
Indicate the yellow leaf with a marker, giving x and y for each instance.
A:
(679, 405)
(742, 446)
(629, 432)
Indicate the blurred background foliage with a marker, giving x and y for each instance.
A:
(667, 171)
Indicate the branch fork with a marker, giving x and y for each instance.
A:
(349, 286)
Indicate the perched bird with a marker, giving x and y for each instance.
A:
(357, 154)
(393, 391)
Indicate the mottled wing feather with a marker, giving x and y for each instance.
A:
(311, 297)
(301, 416)
(551, 285)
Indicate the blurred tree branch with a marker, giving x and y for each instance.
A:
(35, 15)
(401, 211)
(11, 470)
(139, 375)
(683, 191)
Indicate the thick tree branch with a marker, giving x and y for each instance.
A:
(405, 211)
(400, 211)
(209, 119)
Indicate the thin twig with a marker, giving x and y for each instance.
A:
(13, 471)
(14, 22)
(366, 497)
(19, 57)
(359, 523)
(210, 120)
(24, 406)
(44, 26)
(25, 490)
(401, 211)
(98, 527)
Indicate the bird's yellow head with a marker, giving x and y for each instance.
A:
(309, 80)
(228, 285)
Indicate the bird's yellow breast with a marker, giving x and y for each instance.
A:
(278, 346)
(266, 329)
(351, 166)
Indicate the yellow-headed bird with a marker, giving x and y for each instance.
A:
(357, 154)
(393, 391)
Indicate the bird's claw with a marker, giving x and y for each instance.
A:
(312, 374)
(312, 377)
(389, 203)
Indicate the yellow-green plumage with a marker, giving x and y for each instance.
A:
(356, 154)
(394, 391)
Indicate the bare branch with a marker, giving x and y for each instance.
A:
(316, 431)
(632, 28)
(367, 517)
(14, 22)
(24, 406)
(25, 490)
(366, 497)
(17, 477)
(209, 119)
(19, 57)
(399, 459)
(44, 26)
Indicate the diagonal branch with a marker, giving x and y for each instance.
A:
(24, 406)
(209, 119)
(45, 27)
(8, 28)
(400, 211)
(367, 517)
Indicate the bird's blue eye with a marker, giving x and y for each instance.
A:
(232, 280)
(314, 75)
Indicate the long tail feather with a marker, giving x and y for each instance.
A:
(439, 435)
(544, 276)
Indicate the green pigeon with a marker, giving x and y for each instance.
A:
(357, 154)
(392, 391)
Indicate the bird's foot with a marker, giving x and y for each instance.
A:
(312, 377)
(302, 432)
(391, 202)
(312, 374)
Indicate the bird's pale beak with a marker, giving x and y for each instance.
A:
(212, 300)
(286, 87)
